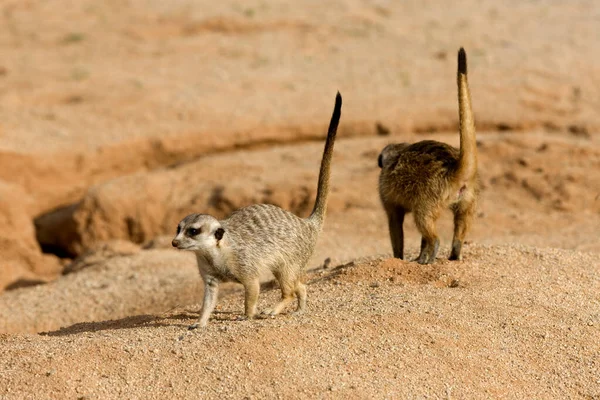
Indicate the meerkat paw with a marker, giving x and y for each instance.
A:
(270, 313)
(428, 252)
(195, 326)
(264, 314)
(455, 254)
(424, 259)
(245, 317)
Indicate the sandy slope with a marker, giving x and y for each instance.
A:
(510, 321)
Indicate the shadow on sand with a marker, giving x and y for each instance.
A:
(137, 321)
(170, 318)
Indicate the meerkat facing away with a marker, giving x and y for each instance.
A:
(429, 176)
(258, 238)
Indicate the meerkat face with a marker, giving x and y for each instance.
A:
(198, 232)
(390, 153)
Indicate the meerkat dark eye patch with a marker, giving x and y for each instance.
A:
(193, 232)
(178, 229)
(219, 233)
(380, 161)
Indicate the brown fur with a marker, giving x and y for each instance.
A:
(429, 176)
(258, 238)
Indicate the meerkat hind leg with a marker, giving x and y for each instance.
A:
(288, 285)
(463, 214)
(423, 244)
(395, 222)
(301, 294)
(251, 291)
(430, 243)
(429, 253)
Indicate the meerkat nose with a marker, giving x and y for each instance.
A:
(175, 242)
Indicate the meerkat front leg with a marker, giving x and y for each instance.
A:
(395, 222)
(430, 242)
(211, 291)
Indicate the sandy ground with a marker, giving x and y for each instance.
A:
(385, 328)
(118, 118)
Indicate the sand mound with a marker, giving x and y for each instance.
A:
(521, 322)
(21, 262)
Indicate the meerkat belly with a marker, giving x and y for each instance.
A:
(274, 249)
(226, 276)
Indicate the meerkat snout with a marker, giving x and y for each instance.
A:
(198, 232)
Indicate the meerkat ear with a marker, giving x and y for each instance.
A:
(219, 233)
(380, 161)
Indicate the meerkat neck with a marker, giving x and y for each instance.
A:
(217, 256)
(468, 146)
(320, 208)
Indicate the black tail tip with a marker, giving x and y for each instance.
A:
(338, 100)
(462, 61)
(335, 117)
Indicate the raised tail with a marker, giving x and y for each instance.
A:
(467, 165)
(318, 213)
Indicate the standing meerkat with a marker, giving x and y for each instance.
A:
(258, 238)
(429, 176)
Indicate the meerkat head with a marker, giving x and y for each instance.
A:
(198, 232)
(390, 153)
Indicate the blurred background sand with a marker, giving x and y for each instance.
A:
(118, 118)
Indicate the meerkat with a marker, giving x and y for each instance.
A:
(429, 176)
(257, 238)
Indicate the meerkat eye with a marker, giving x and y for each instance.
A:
(178, 230)
(193, 231)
